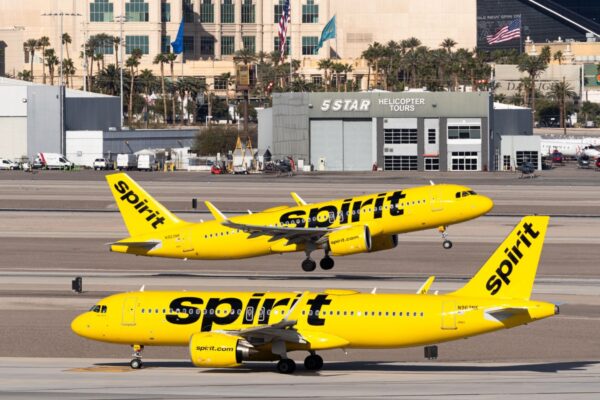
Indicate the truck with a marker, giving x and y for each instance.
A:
(147, 162)
(126, 162)
(53, 161)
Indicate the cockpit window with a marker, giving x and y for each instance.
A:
(458, 195)
(103, 309)
(98, 309)
(95, 308)
(472, 193)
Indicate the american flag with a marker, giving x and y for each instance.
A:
(506, 33)
(283, 25)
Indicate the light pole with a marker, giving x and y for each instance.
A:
(120, 19)
(61, 90)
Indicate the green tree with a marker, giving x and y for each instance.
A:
(116, 43)
(244, 56)
(25, 75)
(43, 42)
(216, 139)
(52, 61)
(171, 60)
(68, 70)
(108, 81)
(30, 46)
(162, 59)
(66, 41)
(534, 66)
(190, 87)
(558, 56)
(560, 92)
(448, 44)
(325, 64)
(133, 62)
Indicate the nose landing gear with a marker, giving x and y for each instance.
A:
(136, 361)
(447, 244)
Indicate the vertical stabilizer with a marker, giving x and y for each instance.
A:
(509, 273)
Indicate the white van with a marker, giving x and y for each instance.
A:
(54, 161)
(126, 162)
(147, 162)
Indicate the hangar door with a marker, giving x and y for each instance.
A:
(342, 145)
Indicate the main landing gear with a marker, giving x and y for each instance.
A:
(447, 244)
(309, 264)
(136, 361)
(313, 362)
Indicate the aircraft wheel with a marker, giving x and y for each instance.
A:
(286, 366)
(327, 263)
(309, 265)
(136, 363)
(447, 244)
(313, 362)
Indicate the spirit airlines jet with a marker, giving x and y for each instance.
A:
(341, 227)
(223, 329)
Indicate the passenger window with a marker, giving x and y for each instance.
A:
(142, 310)
(458, 195)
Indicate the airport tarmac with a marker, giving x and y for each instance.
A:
(55, 226)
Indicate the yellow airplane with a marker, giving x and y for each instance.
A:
(223, 329)
(340, 227)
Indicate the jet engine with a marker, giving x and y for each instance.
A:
(382, 242)
(218, 350)
(350, 241)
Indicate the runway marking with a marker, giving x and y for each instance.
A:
(101, 369)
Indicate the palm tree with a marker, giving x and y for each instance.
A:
(116, 41)
(109, 80)
(25, 75)
(347, 68)
(133, 62)
(190, 87)
(558, 56)
(52, 61)
(369, 56)
(447, 44)
(171, 60)
(338, 68)
(148, 81)
(43, 42)
(245, 56)
(30, 46)
(325, 64)
(66, 41)
(534, 66)
(161, 59)
(99, 58)
(68, 70)
(560, 92)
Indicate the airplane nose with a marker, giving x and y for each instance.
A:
(486, 204)
(80, 326)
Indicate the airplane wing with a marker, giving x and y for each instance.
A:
(293, 235)
(282, 330)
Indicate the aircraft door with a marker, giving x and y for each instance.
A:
(449, 312)
(436, 198)
(129, 311)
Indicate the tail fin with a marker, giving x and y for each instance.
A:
(141, 213)
(509, 273)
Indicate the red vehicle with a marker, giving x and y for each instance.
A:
(598, 163)
(216, 170)
(557, 157)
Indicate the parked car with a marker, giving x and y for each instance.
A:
(8, 164)
(583, 161)
(598, 163)
(102, 163)
(557, 157)
(147, 162)
(53, 161)
(216, 170)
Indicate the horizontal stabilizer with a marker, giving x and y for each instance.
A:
(218, 215)
(502, 313)
(148, 245)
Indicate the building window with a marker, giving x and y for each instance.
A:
(432, 164)
(207, 46)
(188, 11)
(188, 46)
(165, 44)
(248, 13)
(249, 43)
(464, 132)
(165, 12)
(207, 11)
(464, 160)
(101, 11)
(278, 10)
(227, 45)
(431, 136)
(136, 11)
(104, 48)
(506, 163)
(220, 83)
(136, 42)
(288, 44)
(317, 79)
(400, 163)
(400, 136)
(310, 12)
(527, 156)
(227, 12)
(309, 45)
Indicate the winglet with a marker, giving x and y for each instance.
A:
(298, 199)
(218, 215)
(425, 287)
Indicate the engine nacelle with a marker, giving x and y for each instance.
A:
(350, 241)
(382, 242)
(208, 349)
